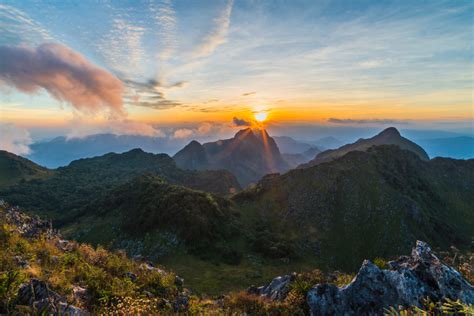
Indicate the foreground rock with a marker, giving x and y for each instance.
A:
(406, 283)
(37, 295)
(276, 290)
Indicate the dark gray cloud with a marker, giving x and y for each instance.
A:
(147, 94)
(246, 94)
(363, 121)
(240, 122)
(65, 74)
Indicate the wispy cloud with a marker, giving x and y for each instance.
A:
(17, 27)
(165, 18)
(217, 35)
(65, 74)
(122, 47)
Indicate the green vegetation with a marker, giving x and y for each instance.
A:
(371, 204)
(68, 189)
(14, 169)
(366, 205)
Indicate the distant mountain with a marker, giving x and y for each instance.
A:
(249, 155)
(328, 142)
(61, 151)
(368, 203)
(14, 169)
(294, 152)
(389, 136)
(461, 147)
(69, 188)
(289, 145)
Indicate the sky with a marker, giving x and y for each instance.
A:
(186, 69)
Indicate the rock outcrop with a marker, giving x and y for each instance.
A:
(407, 281)
(37, 295)
(276, 290)
(27, 226)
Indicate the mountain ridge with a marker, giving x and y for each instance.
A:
(389, 136)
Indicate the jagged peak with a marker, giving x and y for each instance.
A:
(194, 143)
(390, 131)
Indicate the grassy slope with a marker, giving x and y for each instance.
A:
(14, 169)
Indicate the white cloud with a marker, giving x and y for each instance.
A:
(14, 139)
(82, 128)
(183, 133)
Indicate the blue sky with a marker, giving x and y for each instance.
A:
(183, 62)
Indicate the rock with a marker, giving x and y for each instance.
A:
(406, 283)
(70, 310)
(178, 281)
(181, 303)
(23, 264)
(79, 292)
(64, 245)
(276, 290)
(38, 296)
(132, 276)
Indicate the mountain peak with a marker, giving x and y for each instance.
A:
(391, 131)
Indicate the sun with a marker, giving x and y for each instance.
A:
(260, 116)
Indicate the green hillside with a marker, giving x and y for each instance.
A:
(366, 204)
(14, 169)
(70, 188)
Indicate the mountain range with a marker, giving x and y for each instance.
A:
(362, 202)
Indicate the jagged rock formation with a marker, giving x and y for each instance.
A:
(249, 155)
(406, 283)
(27, 226)
(389, 136)
(37, 295)
(276, 290)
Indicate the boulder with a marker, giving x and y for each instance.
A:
(276, 290)
(38, 296)
(407, 281)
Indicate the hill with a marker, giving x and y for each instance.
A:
(249, 155)
(149, 208)
(366, 203)
(14, 169)
(389, 136)
(63, 193)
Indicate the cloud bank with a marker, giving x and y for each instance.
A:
(363, 121)
(14, 139)
(65, 74)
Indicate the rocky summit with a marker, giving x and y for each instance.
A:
(406, 282)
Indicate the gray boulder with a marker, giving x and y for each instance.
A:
(42, 300)
(406, 283)
(276, 290)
